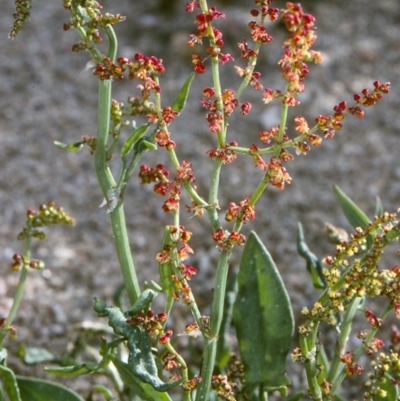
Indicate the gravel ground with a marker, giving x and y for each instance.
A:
(46, 96)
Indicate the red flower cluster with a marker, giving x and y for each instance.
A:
(243, 210)
(226, 240)
(142, 67)
(223, 153)
(149, 321)
(205, 29)
(330, 124)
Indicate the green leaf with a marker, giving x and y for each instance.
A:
(136, 134)
(10, 383)
(35, 355)
(378, 207)
(74, 370)
(143, 390)
(180, 102)
(263, 318)
(355, 216)
(33, 389)
(73, 147)
(314, 266)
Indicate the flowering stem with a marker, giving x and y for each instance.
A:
(357, 353)
(309, 351)
(107, 183)
(189, 188)
(345, 328)
(19, 292)
(213, 195)
(249, 73)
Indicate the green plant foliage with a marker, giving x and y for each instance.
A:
(180, 102)
(136, 134)
(73, 147)
(32, 389)
(355, 216)
(10, 383)
(143, 390)
(263, 318)
(314, 265)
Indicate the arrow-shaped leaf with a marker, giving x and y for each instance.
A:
(263, 318)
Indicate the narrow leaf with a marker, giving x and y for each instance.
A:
(314, 266)
(180, 102)
(263, 318)
(379, 207)
(73, 147)
(33, 389)
(74, 370)
(355, 216)
(136, 134)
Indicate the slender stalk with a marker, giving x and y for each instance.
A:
(213, 195)
(211, 342)
(309, 351)
(345, 329)
(19, 292)
(107, 183)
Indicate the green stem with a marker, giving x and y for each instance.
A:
(309, 351)
(217, 311)
(107, 183)
(213, 195)
(345, 329)
(19, 292)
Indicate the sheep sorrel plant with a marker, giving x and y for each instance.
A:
(142, 355)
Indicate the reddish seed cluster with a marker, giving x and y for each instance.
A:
(330, 124)
(166, 337)
(163, 138)
(223, 153)
(170, 361)
(226, 240)
(142, 67)
(372, 319)
(224, 389)
(265, 10)
(163, 186)
(153, 174)
(297, 52)
(351, 367)
(277, 174)
(215, 118)
(243, 210)
(205, 29)
(19, 261)
(184, 173)
(149, 321)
